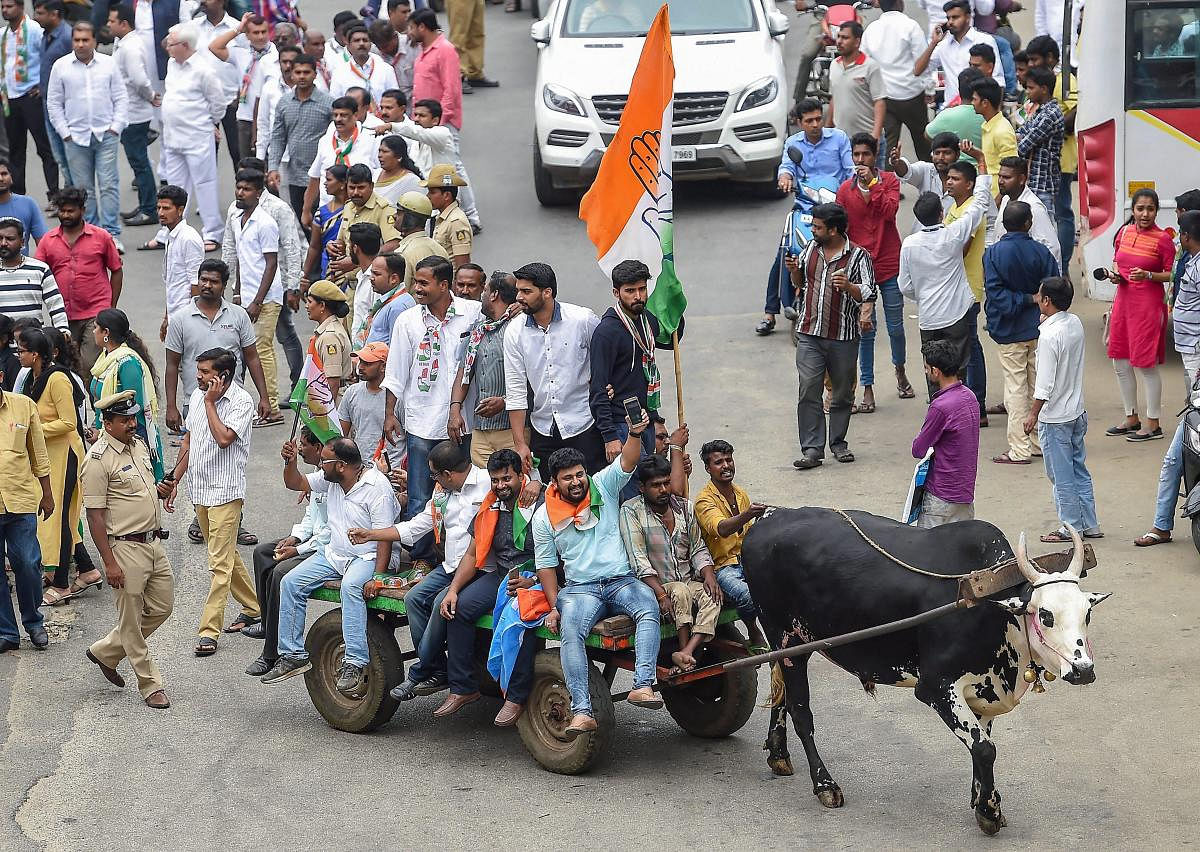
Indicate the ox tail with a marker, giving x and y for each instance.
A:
(778, 694)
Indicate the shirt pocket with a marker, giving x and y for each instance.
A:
(13, 438)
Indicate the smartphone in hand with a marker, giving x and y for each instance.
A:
(634, 410)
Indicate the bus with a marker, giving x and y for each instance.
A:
(1138, 119)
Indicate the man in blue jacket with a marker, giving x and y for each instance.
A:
(1013, 269)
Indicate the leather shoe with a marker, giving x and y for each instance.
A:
(255, 631)
(157, 700)
(509, 714)
(110, 674)
(140, 219)
(40, 638)
(454, 703)
(260, 667)
(581, 723)
(8, 645)
(483, 82)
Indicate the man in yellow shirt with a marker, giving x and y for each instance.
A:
(999, 138)
(960, 185)
(24, 494)
(725, 513)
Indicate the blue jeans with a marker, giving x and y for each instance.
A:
(1168, 482)
(135, 139)
(581, 605)
(976, 379)
(19, 541)
(426, 625)
(779, 286)
(306, 578)
(1064, 218)
(1009, 64)
(1062, 446)
(893, 312)
(98, 163)
(59, 149)
(732, 581)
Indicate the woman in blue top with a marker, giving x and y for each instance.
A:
(327, 223)
(124, 364)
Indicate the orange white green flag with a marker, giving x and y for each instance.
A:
(629, 208)
(312, 398)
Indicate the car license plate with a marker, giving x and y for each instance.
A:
(686, 154)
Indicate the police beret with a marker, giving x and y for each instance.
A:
(122, 404)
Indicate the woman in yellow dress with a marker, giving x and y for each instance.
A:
(58, 399)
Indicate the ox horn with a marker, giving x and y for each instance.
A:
(1075, 569)
(1031, 573)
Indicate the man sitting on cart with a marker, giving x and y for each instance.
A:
(578, 525)
(663, 542)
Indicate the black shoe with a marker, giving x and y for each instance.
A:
(125, 217)
(765, 327)
(260, 667)
(255, 631)
(8, 645)
(483, 83)
(141, 219)
(406, 691)
(432, 685)
(284, 668)
(807, 462)
(350, 681)
(40, 638)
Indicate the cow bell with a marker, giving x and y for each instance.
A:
(1030, 675)
(1049, 675)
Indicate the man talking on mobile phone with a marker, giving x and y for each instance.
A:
(216, 449)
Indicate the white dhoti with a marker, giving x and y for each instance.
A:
(196, 171)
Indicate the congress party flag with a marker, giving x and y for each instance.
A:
(629, 209)
(312, 398)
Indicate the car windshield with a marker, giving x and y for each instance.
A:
(623, 18)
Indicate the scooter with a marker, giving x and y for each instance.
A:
(797, 232)
(1191, 462)
(831, 17)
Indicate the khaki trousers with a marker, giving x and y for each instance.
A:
(143, 604)
(466, 34)
(264, 344)
(1018, 362)
(484, 442)
(81, 333)
(688, 597)
(219, 524)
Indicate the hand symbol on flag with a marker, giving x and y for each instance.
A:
(644, 160)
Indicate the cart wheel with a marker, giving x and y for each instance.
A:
(326, 650)
(548, 712)
(717, 706)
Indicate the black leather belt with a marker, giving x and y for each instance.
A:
(143, 538)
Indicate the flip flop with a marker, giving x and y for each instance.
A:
(1151, 539)
(1005, 458)
(865, 408)
(1056, 537)
(240, 623)
(260, 422)
(905, 391)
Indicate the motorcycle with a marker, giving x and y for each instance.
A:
(797, 233)
(831, 17)
(1191, 462)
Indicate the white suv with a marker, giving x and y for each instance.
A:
(731, 99)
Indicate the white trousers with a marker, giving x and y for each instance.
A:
(196, 171)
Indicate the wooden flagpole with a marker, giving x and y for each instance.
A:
(679, 391)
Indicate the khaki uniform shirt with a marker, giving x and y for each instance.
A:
(119, 477)
(23, 456)
(452, 230)
(333, 347)
(414, 248)
(376, 211)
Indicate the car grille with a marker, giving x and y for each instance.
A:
(690, 107)
(754, 132)
(567, 138)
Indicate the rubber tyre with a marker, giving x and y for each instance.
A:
(1196, 533)
(548, 195)
(326, 649)
(717, 706)
(548, 712)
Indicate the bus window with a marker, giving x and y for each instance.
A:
(1164, 56)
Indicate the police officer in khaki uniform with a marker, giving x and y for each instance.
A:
(121, 500)
(451, 228)
(415, 243)
(327, 306)
(363, 204)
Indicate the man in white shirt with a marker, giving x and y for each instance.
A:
(549, 349)
(1058, 412)
(255, 237)
(935, 12)
(427, 346)
(130, 52)
(359, 497)
(365, 69)
(895, 42)
(215, 22)
(87, 107)
(183, 256)
(950, 48)
(345, 143)
(932, 273)
(944, 150)
(262, 63)
(273, 89)
(1013, 178)
(193, 103)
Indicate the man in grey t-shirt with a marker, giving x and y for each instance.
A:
(363, 405)
(856, 85)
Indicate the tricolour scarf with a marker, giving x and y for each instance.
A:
(488, 518)
(584, 515)
(643, 342)
(481, 329)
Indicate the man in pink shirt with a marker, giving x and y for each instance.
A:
(87, 267)
(436, 77)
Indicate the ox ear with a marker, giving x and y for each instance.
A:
(1096, 598)
(1014, 605)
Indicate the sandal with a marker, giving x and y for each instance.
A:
(206, 647)
(79, 587)
(260, 422)
(1057, 537)
(241, 623)
(211, 246)
(1152, 538)
(905, 391)
(195, 536)
(53, 597)
(1005, 458)
(845, 456)
(997, 409)
(863, 407)
(246, 539)
(1115, 431)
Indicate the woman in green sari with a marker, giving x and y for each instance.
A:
(125, 364)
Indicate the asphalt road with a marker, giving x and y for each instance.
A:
(233, 764)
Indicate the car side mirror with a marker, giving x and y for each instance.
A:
(540, 31)
(777, 23)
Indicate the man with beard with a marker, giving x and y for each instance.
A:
(359, 496)
(301, 120)
(345, 144)
(578, 526)
(953, 54)
(469, 281)
(833, 278)
(931, 176)
(1013, 178)
(27, 286)
(391, 297)
(365, 69)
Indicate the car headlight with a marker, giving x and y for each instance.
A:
(758, 93)
(561, 99)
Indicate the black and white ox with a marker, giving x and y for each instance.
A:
(814, 576)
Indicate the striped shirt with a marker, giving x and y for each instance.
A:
(1185, 318)
(487, 374)
(217, 475)
(28, 290)
(825, 311)
(1040, 140)
(674, 556)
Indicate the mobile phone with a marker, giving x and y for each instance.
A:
(633, 410)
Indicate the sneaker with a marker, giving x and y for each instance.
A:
(351, 680)
(284, 668)
(432, 685)
(259, 667)
(406, 691)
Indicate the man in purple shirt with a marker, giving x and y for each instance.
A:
(951, 429)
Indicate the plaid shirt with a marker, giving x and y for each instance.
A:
(674, 556)
(825, 311)
(1040, 140)
(298, 128)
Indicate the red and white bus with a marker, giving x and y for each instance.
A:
(1138, 119)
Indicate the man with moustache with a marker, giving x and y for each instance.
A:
(391, 297)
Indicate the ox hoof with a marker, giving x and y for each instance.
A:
(831, 798)
(780, 765)
(988, 823)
